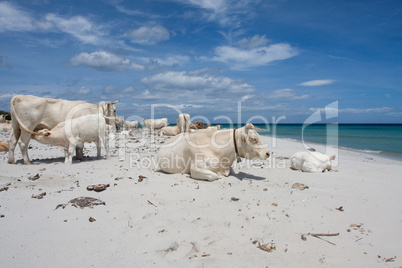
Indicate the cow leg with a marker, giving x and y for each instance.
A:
(203, 174)
(71, 149)
(105, 140)
(23, 142)
(98, 148)
(12, 143)
(65, 155)
(79, 153)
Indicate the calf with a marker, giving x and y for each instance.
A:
(74, 133)
(311, 161)
(169, 131)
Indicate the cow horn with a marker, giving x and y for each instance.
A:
(115, 102)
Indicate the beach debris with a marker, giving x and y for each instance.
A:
(340, 208)
(311, 149)
(323, 234)
(390, 259)
(2, 216)
(91, 219)
(5, 188)
(299, 186)
(191, 257)
(83, 202)
(120, 178)
(141, 178)
(274, 204)
(303, 237)
(265, 189)
(97, 187)
(34, 178)
(266, 247)
(282, 157)
(39, 196)
(235, 199)
(205, 255)
(149, 202)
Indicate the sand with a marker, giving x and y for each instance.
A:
(253, 218)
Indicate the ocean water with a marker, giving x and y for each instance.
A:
(385, 139)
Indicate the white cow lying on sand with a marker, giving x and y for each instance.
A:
(210, 155)
(311, 161)
(183, 123)
(74, 133)
(155, 123)
(169, 131)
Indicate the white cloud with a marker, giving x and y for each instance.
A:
(253, 42)
(206, 83)
(287, 94)
(77, 26)
(149, 35)
(313, 83)
(104, 61)
(84, 91)
(225, 12)
(238, 58)
(14, 19)
(172, 61)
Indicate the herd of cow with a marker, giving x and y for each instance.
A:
(206, 154)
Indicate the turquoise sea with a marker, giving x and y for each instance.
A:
(385, 139)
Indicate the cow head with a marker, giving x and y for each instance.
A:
(251, 146)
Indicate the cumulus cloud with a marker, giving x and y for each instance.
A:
(146, 35)
(253, 42)
(172, 61)
(225, 12)
(195, 88)
(13, 18)
(77, 26)
(84, 91)
(193, 82)
(104, 61)
(238, 58)
(313, 83)
(287, 94)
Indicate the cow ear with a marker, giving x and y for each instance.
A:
(332, 157)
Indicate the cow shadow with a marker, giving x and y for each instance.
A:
(60, 160)
(246, 176)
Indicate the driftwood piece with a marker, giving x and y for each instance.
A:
(322, 234)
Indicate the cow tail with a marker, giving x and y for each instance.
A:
(14, 112)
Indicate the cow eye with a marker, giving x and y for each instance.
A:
(253, 140)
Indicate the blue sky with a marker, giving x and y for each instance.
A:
(279, 59)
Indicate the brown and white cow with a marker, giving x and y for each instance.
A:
(30, 114)
(209, 155)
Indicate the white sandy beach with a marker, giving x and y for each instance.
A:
(175, 221)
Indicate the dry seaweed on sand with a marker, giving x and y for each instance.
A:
(83, 202)
(266, 247)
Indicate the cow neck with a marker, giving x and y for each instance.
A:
(235, 143)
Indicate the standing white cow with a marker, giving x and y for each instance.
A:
(155, 123)
(74, 133)
(31, 113)
(311, 161)
(183, 122)
(131, 124)
(210, 155)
